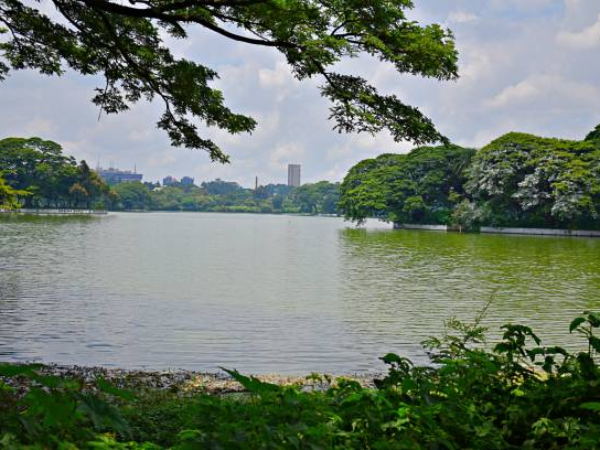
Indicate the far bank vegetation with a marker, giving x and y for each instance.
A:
(516, 180)
(35, 173)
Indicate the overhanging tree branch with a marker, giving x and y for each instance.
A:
(151, 13)
(123, 42)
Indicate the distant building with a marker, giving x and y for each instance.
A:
(169, 181)
(294, 175)
(187, 181)
(116, 176)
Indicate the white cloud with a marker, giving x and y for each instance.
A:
(586, 39)
(462, 17)
(522, 5)
(142, 134)
(547, 90)
(578, 13)
(284, 154)
(40, 127)
(477, 65)
(573, 6)
(281, 75)
(368, 145)
(520, 92)
(279, 79)
(163, 158)
(484, 137)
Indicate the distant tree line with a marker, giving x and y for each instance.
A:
(228, 196)
(36, 174)
(516, 180)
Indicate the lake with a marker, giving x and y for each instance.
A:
(262, 294)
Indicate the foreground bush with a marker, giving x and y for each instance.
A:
(519, 395)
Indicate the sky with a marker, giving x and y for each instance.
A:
(525, 65)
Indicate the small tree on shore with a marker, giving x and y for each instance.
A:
(9, 197)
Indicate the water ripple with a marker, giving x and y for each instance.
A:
(270, 293)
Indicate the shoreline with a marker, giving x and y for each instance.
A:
(515, 231)
(54, 212)
(178, 380)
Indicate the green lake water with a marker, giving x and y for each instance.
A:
(263, 293)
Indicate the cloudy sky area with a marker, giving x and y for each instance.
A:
(525, 65)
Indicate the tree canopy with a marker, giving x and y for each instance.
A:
(317, 198)
(419, 187)
(516, 180)
(44, 177)
(9, 197)
(594, 134)
(228, 196)
(132, 196)
(124, 42)
(529, 180)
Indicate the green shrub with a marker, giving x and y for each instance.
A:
(520, 394)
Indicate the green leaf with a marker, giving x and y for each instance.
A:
(103, 414)
(50, 381)
(355, 397)
(252, 384)
(108, 388)
(391, 358)
(593, 319)
(518, 392)
(5, 387)
(49, 408)
(575, 323)
(592, 406)
(190, 435)
(12, 370)
(408, 384)
(595, 343)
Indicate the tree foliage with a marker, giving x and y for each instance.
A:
(317, 198)
(220, 187)
(45, 177)
(9, 197)
(228, 196)
(528, 180)
(594, 134)
(131, 196)
(125, 43)
(419, 187)
(516, 180)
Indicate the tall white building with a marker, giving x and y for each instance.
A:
(294, 175)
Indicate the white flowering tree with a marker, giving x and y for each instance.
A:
(528, 180)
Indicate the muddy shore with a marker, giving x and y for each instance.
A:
(183, 381)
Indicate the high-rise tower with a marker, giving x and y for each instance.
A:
(294, 175)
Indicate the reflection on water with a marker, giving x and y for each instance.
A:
(268, 293)
(416, 280)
